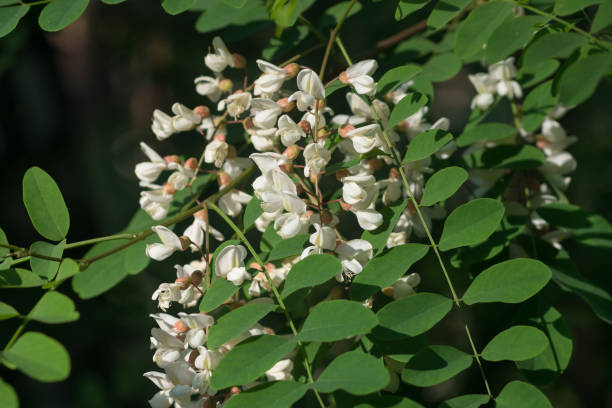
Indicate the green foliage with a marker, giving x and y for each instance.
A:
(406, 7)
(311, 271)
(486, 132)
(45, 204)
(552, 45)
(471, 223)
(378, 238)
(355, 372)
(443, 184)
(281, 394)
(237, 322)
(220, 291)
(19, 278)
(58, 14)
(586, 228)
(512, 35)
(8, 396)
(442, 67)
(425, 144)
(518, 157)
(435, 364)
(579, 80)
(250, 359)
(518, 393)
(517, 343)
(332, 15)
(46, 268)
(512, 281)
(174, 7)
(603, 17)
(407, 106)
(54, 307)
(39, 357)
(395, 77)
(9, 18)
(7, 311)
(537, 105)
(444, 11)
(336, 320)
(466, 401)
(288, 247)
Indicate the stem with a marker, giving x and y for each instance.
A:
(312, 28)
(277, 295)
(17, 332)
(333, 36)
(566, 24)
(302, 54)
(97, 240)
(343, 50)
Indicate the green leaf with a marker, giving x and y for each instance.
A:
(443, 184)
(311, 271)
(220, 291)
(425, 144)
(269, 239)
(175, 7)
(586, 227)
(512, 35)
(219, 15)
(471, 223)
(236, 322)
(407, 106)
(58, 14)
(249, 360)
(54, 307)
(603, 18)
(520, 394)
(235, 3)
(399, 350)
(288, 247)
(112, 1)
(538, 105)
(442, 67)
(288, 41)
(512, 281)
(548, 365)
(444, 11)
(580, 79)
(277, 394)
(386, 268)
(475, 30)
(485, 132)
(9, 18)
(337, 320)
(354, 372)
(44, 201)
(3, 240)
(346, 400)
(7, 311)
(395, 77)
(46, 268)
(552, 45)
(19, 278)
(412, 315)
(566, 7)
(378, 238)
(332, 15)
(435, 364)
(516, 343)
(466, 401)
(39, 357)
(406, 7)
(531, 75)
(518, 157)
(68, 268)
(333, 87)
(8, 396)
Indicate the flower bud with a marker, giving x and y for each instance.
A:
(180, 327)
(196, 278)
(285, 105)
(394, 173)
(255, 265)
(292, 152)
(183, 283)
(226, 85)
(234, 390)
(326, 216)
(344, 130)
(202, 214)
(172, 159)
(239, 61)
(292, 69)
(388, 97)
(305, 126)
(375, 164)
(248, 124)
(343, 77)
(185, 242)
(345, 206)
(191, 164)
(268, 330)
(402, 127)
(286, 167)
(388, 291)
(202, 111)
(168, 189)
(224, 179)
(340, 174)
(323, 133)
(315, 178)
(220, 136)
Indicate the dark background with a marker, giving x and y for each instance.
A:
(78, 102)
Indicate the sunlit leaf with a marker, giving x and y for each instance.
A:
(337, 320)
(39, 357)
(355, 372)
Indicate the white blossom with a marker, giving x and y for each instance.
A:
(271, 80)
(162, 125)
(265, 112)
(215, 152)
(359, 76)
(221, 58)
(231, 202)
(485, 88)
(365, 138)
(155, 203)
(208, 86)
(230, 264)
(170, 244)
(150, 171)
(317, 157)
(197, 229)
(184, 119)
(236, 103)
(281, 371)
(354, 254)
(289, 131)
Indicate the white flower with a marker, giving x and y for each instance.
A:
(150, 171)
(235, 166)
(156, 203)
(274, 187)
(180, 178)
(161, 125)
(557, 166)
(553, 138)
(197, 230)
(289, 131)
(206, 361)
(170, 244)
(184, 119)
(309, 82)
(317, 157)
(260, 281)
(265, 112)
(236, 103)
(197, 324)
(263, 139)
(271, 80)
(503, 72)
(365, 138)
(396, 238)
(165, 294)
(354, 254)
(218, 61)
(208, 86)
(303, 100)
(485, 88)
(358, 75)
(369, 219)
(289, 225)
(324, 237)
(405, 285)
(162, 399)
(280, 371)
(359, 191)
(230, 264)
(262, 222)
(232, 201)
(216, 152)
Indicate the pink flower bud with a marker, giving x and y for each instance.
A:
(344, 130)
(239, 61)
(202, 111)
(191, 164)
(292, 152)
(172, 159)
(292, 69)
(224, 179)
(305, 126)
(285, 105)
(226, 85)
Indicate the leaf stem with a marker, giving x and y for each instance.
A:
(97, 240)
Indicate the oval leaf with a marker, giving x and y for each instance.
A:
(39, 357)
(60, 13)
(54, 307)
(443, 184)
(412, 315)
(19, 278)
(288, 247)
(311, 271)
(512, 281)
(9, 18)
(395, 77)
(386, 268)
(511, 36)
(485, 132)
(471, 223)
(518, 157)
(435, 364)
(336, 320)
(249, 360)
(425, 144)
(7, 311)
(407, 106)
(520, 394)
(516, 343)
(355, 372)
(174, 7)
(466, 401)
(220, 291)
(445, 11)
(46, 268)
(579, 80)
(8, 396)
(278, 394)
(538, 105)
(252, 211)
(442, 67)
(236, 322)
(44, 202)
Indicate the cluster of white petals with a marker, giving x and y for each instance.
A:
(498, 81)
